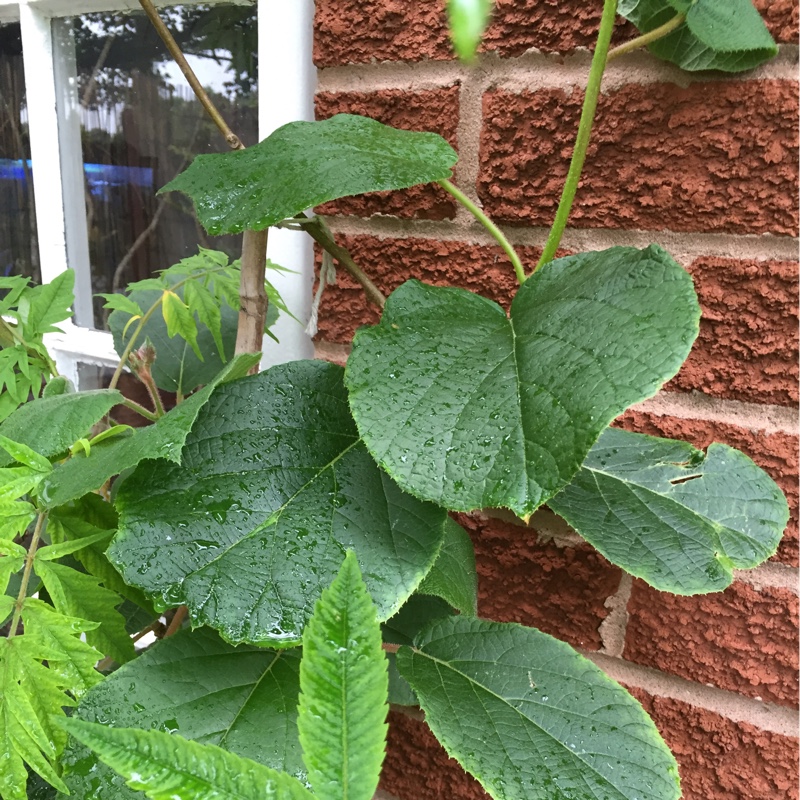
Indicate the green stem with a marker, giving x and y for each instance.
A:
(497, 234)
(584, 132)
(26, 574)
(647, 38)
(141, 410)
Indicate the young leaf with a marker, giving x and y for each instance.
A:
(343, 687)
(533, 720)
(676, 517)
(79, 595)
(120, 302)
(165, 766)
(68, 657)
(50, 425)
(468, 20)
(42, 306)
(58, 550)
(79, 476)
(453, 576)
(15, 516)
(727, 35)
(247, 543)
(200, 301)
(12, 557)
(208, 691)
(23, 454)
(308, 163)
(180, 320)
(16, 482)
(470, 409)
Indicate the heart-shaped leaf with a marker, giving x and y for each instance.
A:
(727, 35)
(466, 407)
(532, 719)
(676, 517)
(304, 164)
(453, 576)
(275, 486)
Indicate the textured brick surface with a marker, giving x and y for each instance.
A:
(418, 768)
(720, 759)
(711, 157)
(560, 590)
(353, 32)
(743, 639)
(777, 453)
(747, 348)
(433, 110)
(390, 262)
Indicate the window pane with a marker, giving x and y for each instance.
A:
(19, 251)
(142, 125)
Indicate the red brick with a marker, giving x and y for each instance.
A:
(777, 453)
(390, 262)
(720, 759)
(710, 157)
(560, 590)
(743, 639)
(351, 32)
(747, 349)
(418, 768)
(434, 110)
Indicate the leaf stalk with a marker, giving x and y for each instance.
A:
(646, 38)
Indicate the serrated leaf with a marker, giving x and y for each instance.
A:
(342, 710)
(166, 766)
(180, 321)
(69, 658)
(274, 487)
(727, 35)
(16, 482)
(531, 719)
(42, 306)
(468, 20)
(453, 576)
(120, 302)
(23, 454)
(177, 368)
(678, 518)
(304, 164)
(164, 439)
(79, 595)
(30, 697)
(243, 699)
(12, 557)
(201, 302)
(53, 552)
(50, 425)
(470, 409)
(15, 516)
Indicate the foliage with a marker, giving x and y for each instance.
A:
(309, 504)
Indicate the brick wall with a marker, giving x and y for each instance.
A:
(705, 166)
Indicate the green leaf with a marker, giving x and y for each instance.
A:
(119, 302)
(79, 476)
(453, 576)
(57, 386)
(243, 699)
(15, 516)
(50, 425)
(200, 300)
(55, 551)
(31, 695)
(177, 368)
(727, 35)
(71, 659)
(23, 454)
(79, 595)
(275, 486)
(468, 20)
(304, 164)
(166, 766)
(343, 688)
(42, 306)
(16, 482)
(676, 517)
(533, 720)
(12, 557)
(470, 409)
(180, 321)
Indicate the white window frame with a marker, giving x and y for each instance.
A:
(285, 34)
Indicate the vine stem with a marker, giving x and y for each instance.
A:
(584, 132)
(647, 38)
(26, 574)
(496, 233)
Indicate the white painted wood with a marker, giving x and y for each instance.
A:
(71, 8)
(80, 346)
(285, 39)
(9, 12)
